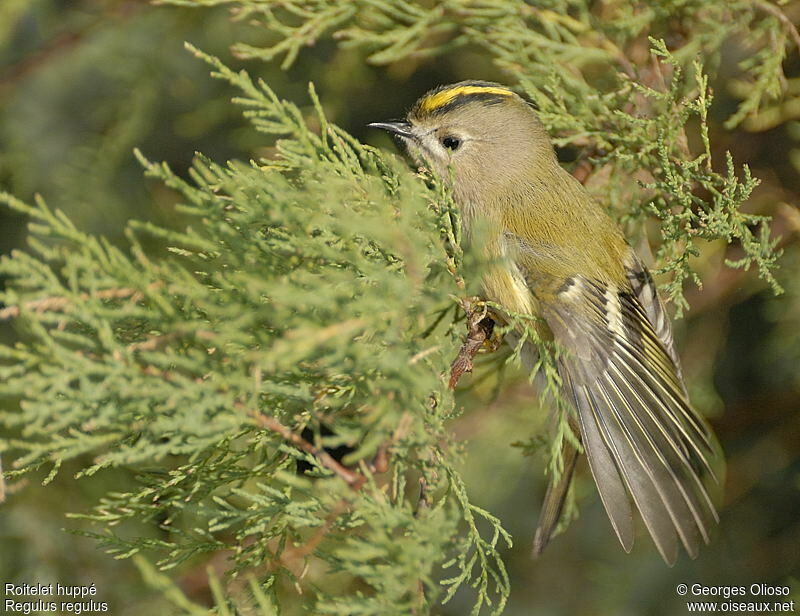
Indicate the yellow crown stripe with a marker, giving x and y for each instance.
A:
(440, 99)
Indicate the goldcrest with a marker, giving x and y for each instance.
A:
(558, 256)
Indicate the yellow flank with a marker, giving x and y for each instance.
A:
(506, 286)
(440, 99)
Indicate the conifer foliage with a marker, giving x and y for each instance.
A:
(314, 300)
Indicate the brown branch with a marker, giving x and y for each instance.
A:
(354, 480)
(381, 463)
(59, 44)
(582, 171)
(781, 17)
(153, 343)
(479, 330)
(57, 47)
(46, 304)
(2, 483)
(307, 548)
(422, 499)
(59, 304)
(195, 581)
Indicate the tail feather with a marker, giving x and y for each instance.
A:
(554, 499)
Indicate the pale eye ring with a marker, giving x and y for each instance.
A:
(451, 142)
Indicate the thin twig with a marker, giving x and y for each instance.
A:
(46, 304)
(423, 354)
(2, 483)
(354, 480)
(59, 304)
(61, 44)
(381, 463)
(781, 17)
(422, 500)
(479, 330)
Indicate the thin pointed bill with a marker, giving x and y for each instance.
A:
(399, 128)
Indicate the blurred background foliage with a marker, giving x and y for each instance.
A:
(83, 82)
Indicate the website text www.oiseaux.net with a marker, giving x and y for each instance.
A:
(753, 599)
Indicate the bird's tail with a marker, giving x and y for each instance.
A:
(554, 499)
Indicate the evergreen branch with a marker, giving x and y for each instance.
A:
(354, 480)
(2, 482)
(479, 330)
(323, 284)
(60, 304)
(766, 6)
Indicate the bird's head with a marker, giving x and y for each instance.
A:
(483, 132)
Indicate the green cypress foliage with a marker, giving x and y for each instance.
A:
(315, 299)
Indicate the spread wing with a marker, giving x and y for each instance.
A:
(641, 436)
(644, 288)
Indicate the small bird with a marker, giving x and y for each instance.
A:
(557, 255)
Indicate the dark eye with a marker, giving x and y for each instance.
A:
(451, 143)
